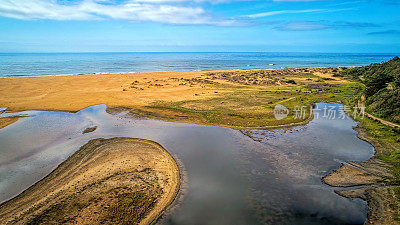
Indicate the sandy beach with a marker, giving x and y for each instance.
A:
(222, 98)
(101, 183)
(199, 112)
(75, 92)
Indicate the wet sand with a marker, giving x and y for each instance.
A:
(112, 181)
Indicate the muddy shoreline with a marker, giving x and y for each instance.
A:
(113, 181)
(370, 180)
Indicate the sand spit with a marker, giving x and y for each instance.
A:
(107, 181)
(373, 183)
(372, 171)
(7, 121)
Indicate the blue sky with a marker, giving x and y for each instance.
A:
(200, 25)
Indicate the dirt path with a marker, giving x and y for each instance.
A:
(107, 181)
(383, 121)
(361, 103)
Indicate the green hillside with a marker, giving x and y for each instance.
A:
(382, 92)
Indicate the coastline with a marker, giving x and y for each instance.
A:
(94, 184)
(166, 71)
(73, 86)
(370, 180)
(181, 96)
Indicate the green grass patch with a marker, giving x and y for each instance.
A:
(253, 106)
(389, 139)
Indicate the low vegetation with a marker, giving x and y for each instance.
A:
(247, 98)
(381, 95)
(382, 87)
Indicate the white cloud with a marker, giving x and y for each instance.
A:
(271, 13)
(164, 11)
(278, 12)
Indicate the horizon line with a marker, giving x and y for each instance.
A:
(91, 52)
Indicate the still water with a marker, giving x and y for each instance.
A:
(263, 177)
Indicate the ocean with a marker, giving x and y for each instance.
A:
(44, 64)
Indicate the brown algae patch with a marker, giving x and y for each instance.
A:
(107, 181)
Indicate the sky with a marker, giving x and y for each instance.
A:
(339, 26)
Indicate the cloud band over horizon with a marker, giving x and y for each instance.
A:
(162, 11)
(115, 25)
